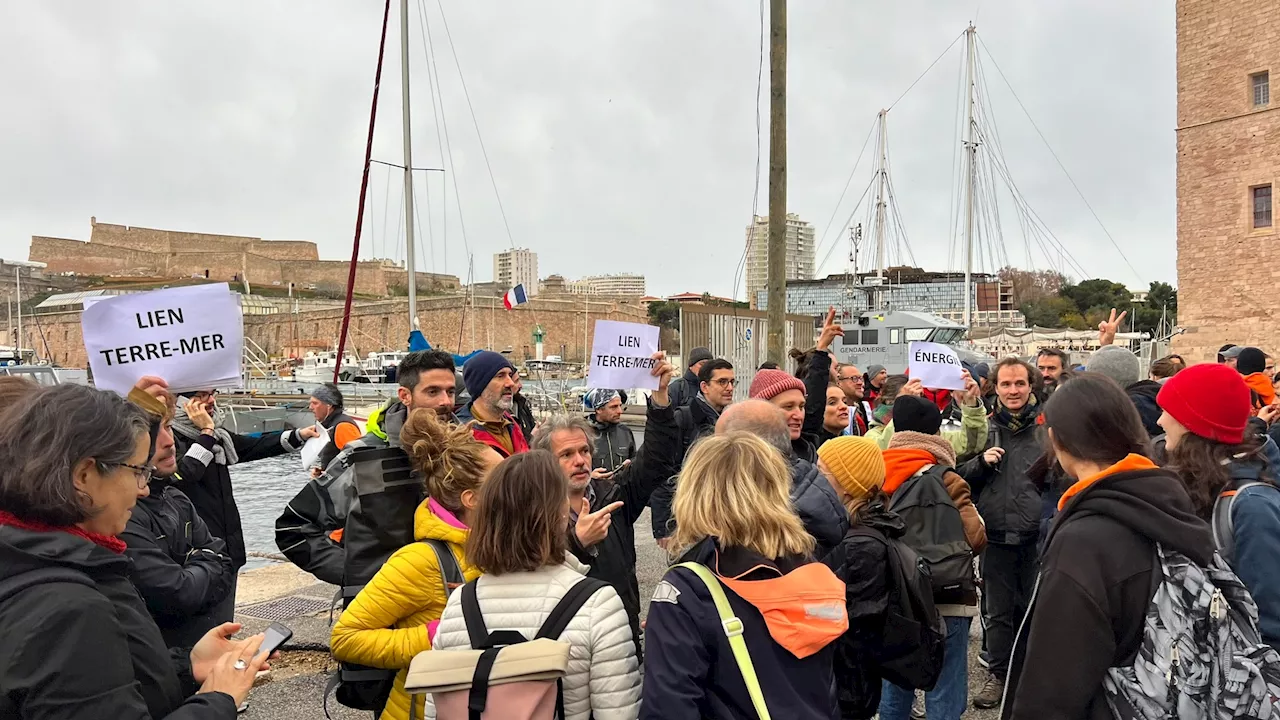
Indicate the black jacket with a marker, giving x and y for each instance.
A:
(614, 558)
(331, 449)
(1096, 581)
(1143, 394)
(815, 402)
(615, 444)
(88, 651)
(861, 563)
(181, 571)
(684, 389)
(693, 421)
(1007, 498)
(208, 483)
(818, 506)
(689, 669)
(522, 411)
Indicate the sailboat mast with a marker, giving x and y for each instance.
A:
(970, 159)
(881, 172)
(410, 266)
(17, 281)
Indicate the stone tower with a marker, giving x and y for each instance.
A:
(1228, 168)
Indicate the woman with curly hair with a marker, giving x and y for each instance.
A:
(395, 616)
(1230, 471)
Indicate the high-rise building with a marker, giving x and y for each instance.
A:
(620, 285)
(517, 266)
(800, 251)
(1228, 131)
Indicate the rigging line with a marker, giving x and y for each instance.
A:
(755, 189)
(444, 186)
(418, 239)
(1059, 161)
(386, 203)
(926, 70)
(443, 125)
(483, 152)
(953, 207)
(817, 268)
(400, 227)
(847, 182)
(1021, 199)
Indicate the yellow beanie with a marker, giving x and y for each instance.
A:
(855, 462)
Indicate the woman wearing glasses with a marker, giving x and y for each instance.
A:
(76, 640)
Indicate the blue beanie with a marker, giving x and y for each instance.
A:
(479, 371)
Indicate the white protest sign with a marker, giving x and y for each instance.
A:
(193, 337)
(622, 356)
(937, 367)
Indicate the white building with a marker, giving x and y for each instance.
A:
(620, 285)
(800, 252)
(517, 266)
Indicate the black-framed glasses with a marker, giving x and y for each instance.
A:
(143, 473)
(855, 379)
(725, 382)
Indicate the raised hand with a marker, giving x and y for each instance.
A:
(830, 331)
(593, 527)
(664, 371)
(1107, 329)
(199, 415)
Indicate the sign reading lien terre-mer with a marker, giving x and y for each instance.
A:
(622, 356)
(193, 337)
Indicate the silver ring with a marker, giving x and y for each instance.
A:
(241, 664)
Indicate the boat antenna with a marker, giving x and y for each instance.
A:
(364, 190)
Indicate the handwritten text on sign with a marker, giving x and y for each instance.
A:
(622, 356)
(936, 366)
(193, 337)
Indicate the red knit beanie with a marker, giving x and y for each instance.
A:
(1210, 400)
(769, 384)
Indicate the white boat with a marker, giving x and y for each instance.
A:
(381, 366)
(318, 368)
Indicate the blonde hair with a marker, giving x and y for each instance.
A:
(448, 457)
(736, 488)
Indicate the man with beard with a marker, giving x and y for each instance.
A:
(615, 444)
(181, 571)
(605, 505)
(309, 531)
(491, 382)
(1010, 504)
(1051, 362)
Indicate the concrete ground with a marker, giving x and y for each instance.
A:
(294, 688)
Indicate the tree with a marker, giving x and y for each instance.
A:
(1052, 312)
(1098, 296)
(665, 314)
(1032, 285)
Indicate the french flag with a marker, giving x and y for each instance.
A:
(515, 296)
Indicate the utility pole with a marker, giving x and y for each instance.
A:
(777, 274)
(970, 159)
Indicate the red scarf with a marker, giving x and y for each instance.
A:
(114, 544)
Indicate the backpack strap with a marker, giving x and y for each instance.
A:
(450, 571)
(1224, 535)
(476, 629)
(14, 585)
(732, 626)
(568, 606)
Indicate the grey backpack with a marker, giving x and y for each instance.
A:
(1201, 656)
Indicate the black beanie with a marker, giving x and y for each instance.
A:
(1251, 360)
(915, 414)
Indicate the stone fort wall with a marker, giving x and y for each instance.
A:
(123, 251)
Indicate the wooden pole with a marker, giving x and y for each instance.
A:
(777, 278)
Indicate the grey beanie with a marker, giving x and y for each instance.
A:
(329, 394)
(874, 370)
(1116, 363)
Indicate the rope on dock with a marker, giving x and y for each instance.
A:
(267, 556)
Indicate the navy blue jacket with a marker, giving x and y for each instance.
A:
(1255, 518)
(690, 672)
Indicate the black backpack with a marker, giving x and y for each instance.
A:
(936, 532)
(914, 632)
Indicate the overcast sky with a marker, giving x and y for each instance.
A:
(621, 135)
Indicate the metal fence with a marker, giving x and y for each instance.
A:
(739, 336)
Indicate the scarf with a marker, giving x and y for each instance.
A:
(935, 445)
(881, 414)
(224, 449)
(114, 544)
(1028, 415)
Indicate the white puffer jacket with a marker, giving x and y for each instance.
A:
(604, 676)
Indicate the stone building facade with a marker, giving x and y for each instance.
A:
(124, 251)
(1228, 168)
(568, 324)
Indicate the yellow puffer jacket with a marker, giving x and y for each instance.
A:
(386, 625)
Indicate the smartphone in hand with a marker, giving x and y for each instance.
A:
(276, 635)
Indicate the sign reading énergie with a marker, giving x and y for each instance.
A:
(193, 337)
(622, 356)
(936, 366)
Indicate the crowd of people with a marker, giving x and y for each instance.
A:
(833, 536)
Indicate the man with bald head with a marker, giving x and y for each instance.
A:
(816, 502)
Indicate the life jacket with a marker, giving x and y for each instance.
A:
(331, 423)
